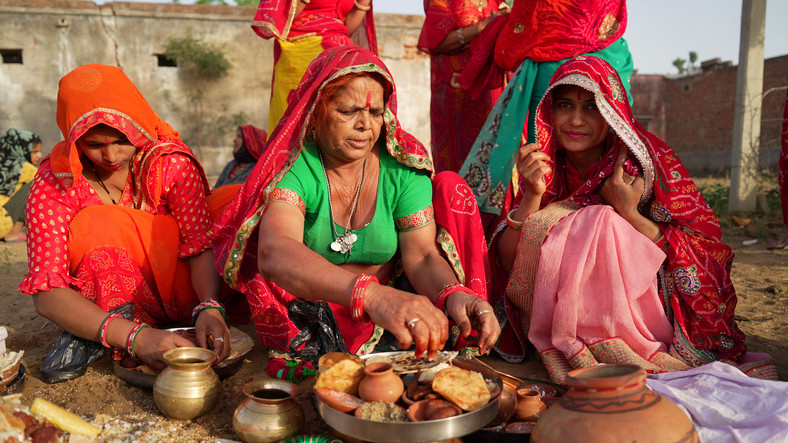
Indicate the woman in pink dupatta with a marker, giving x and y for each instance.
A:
(456, 114)
(260, 253)
(618, 258)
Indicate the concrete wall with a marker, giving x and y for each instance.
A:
(56, 36)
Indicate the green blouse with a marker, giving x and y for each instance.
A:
(404, 202)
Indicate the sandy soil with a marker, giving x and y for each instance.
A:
(760, 276)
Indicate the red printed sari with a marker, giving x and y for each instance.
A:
(580, 270)
(456, 114)
(136, 250)
(782, 169)
(459, 234)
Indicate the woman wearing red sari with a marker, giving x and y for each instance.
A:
(303, 29)
(613, 254)
(118, 213)
(456, 114)
(339, 207)
(782, 168)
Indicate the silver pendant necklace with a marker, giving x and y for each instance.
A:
(342, 243)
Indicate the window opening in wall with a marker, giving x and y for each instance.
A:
(686, 88)
(11, 56)
(165, 61)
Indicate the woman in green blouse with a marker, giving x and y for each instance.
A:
(343, 208)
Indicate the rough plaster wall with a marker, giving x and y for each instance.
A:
(57, 36)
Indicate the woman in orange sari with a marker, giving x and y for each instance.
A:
(118, 213)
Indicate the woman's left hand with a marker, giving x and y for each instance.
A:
(210, 322)
(474, 314)
(623, 191)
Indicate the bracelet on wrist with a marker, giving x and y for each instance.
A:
(133, 338)
(512, 223)
(460, 37)
(357, 297)
(104, 327)
(361, 7)
(209, 304)
(443, 295)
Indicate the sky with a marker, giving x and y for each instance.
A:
(659, 31)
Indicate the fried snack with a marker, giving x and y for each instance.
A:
(62, 418)
(344, 376)
(330, 359)
(466, 389)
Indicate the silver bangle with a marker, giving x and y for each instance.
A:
(460, 37)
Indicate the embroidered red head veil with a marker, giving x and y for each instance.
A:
(699, 289)
(235, 242)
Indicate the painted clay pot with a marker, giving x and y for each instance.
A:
(380, 383)
(529, 405)
(188, 387)
(611, 403)
(269, 413)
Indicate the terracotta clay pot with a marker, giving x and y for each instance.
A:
(611, 403)
(380, 383)
(529, 405)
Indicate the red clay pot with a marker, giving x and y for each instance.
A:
(380, 383)
(529, 405)
(611, 403)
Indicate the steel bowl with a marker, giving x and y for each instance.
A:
(406, 432)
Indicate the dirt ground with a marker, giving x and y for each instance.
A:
(760, 276)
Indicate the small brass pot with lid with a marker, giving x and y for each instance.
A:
(188, 387)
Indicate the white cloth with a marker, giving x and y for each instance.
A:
(726, 405)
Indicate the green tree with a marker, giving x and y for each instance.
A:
(693, 58)
(205, 62)
(679, 64)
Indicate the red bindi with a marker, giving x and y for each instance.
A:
(369, 99)
(579, 93)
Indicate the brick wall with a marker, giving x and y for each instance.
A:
(695, 113)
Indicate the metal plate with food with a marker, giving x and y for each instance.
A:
(351, 425)
(240, 345)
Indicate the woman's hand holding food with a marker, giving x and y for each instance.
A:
(412, 318)
(151, 344)
(474, 314)
(213, 333)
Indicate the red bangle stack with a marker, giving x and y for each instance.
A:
(440, 301)
(357, 297)
(104, 326)
(133, 337)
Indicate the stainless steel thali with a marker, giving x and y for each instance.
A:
(423, 431)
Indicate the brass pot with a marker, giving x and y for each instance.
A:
(269, 413)
(188, 387)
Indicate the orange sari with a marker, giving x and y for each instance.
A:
(136, 250)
